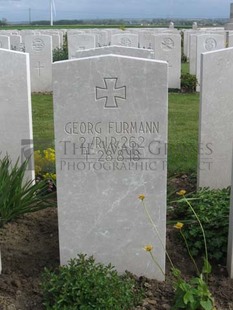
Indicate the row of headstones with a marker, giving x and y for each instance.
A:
(78, 40)
(40, 49)
(200, 41)
(89, 38)
(110, 115)
(39, 46)
(15, 39)
(167, 46)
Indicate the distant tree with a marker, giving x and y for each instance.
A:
(3, 22)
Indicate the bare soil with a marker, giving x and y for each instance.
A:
(31, 243)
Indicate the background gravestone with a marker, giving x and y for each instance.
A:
(15, 116)
(207, 43)
(168, 48)
(40, 50)
(111, 134)
(80, 42)
(125, 39)
(15, 42)
(192, 53)
(4, 42)
(119, 50)
(215, 120)
(146, 40)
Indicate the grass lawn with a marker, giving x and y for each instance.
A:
(183, 129)
(42, 115)
(183, 133)
(185, 67)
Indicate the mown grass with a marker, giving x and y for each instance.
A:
(183, 133)
(43, 127)
(185, 67)
(183, 129)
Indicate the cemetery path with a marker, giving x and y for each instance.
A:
(31, 243)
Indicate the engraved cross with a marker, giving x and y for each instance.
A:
(111, 93)
(39, 67)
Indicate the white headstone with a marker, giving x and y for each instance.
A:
(168, 48)
(15, 42)
(111, 133)
(40, 50)
(207, 43)
(146, 40)
(171, 25)
(101, 38)
(56, 43)
(230, 39)
(80, 42)
(125, 39)
(192, 53)
(117, 50)
(215, 124)
(4, 42)
(194, 26)
(16, 116)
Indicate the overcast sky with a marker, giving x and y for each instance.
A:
(18, 10)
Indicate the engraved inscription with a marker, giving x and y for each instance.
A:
(125, 42)
(167, 44)
(111, 93)
(113, 146)
(38, 45)
(39, 67)
(210, 44)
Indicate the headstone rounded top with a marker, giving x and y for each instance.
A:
(171, 25)
(194, 25)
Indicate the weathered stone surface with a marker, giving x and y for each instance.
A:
(168, 48)
(207, 43)
(15, 116)
(111, 133)
(118, 50)
(215, 122)
(40, 50)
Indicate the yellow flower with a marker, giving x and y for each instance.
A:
(141, 197)
(182, 192)
(179, 225)
(148, 248)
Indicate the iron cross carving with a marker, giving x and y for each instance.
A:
(111, 92)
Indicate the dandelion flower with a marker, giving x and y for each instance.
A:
(179, 225)
(148, 248)
(182, 192)
(141, 197)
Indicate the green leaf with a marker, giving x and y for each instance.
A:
(188, 297)
(206, 267)
(207, 305)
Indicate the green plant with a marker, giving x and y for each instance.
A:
(188, 83)
(17, 195)
(45, 164)
(61, 53)
(85, 284)
(192, 294)
(183, 58)
(212, 208)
